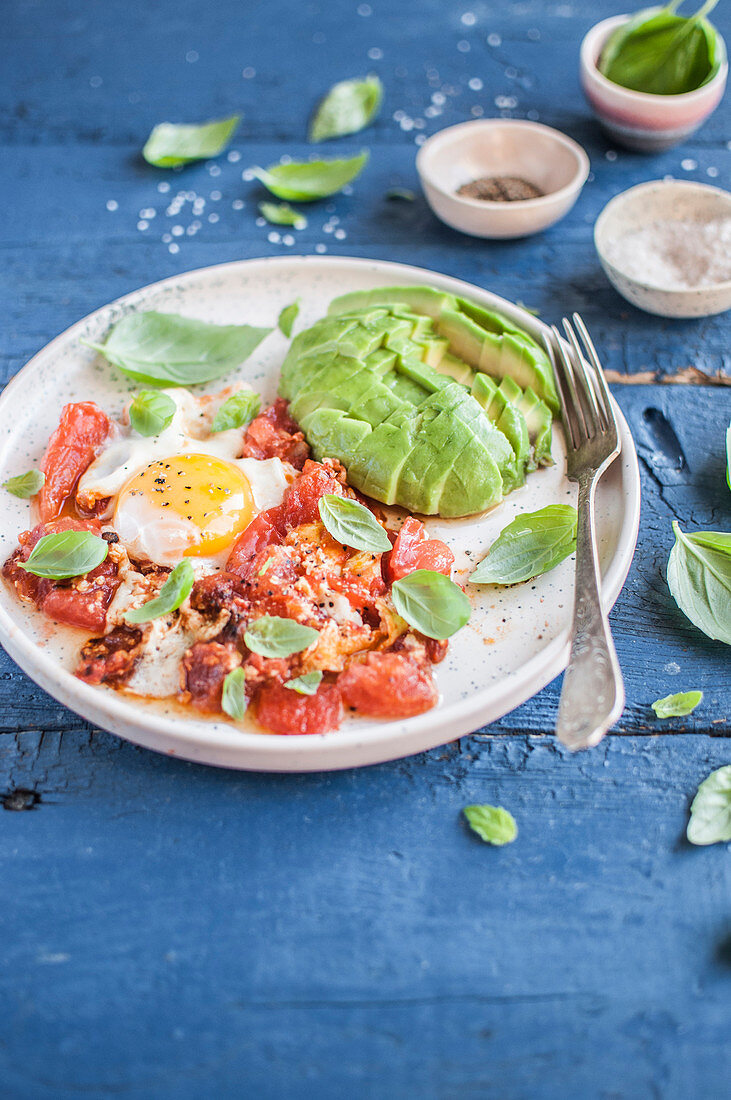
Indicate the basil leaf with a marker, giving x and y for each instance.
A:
(305, 181)
(176, 589)
(347, 108)
(352, 524)
(239, 409)
(151, 412)
(710, 811)
(171, 144)
(282, 214)
(529, 546)
(287, 318)
(233, 696)
(431, 603)
(165, 348)
(402, 193)
(25, 485)
(307, 684)
(699, 578)
(677, 706)
(274, 636)
(662, 53)
(66, 554)
(492, 824)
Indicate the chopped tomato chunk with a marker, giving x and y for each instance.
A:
(388, 685)
(413, 550)
(261, 532)
(301, 502)
(71, 449)
(273, 434)
(283, 710)
(82, 602)
(205, 666)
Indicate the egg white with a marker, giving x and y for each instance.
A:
(144, 530)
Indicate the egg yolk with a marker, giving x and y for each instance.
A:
(212, 495)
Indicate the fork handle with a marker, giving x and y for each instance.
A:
(592, 697)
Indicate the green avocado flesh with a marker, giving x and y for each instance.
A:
(429, 401)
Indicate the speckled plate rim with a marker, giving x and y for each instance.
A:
(224, 745)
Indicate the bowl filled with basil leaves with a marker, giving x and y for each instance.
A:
(654, 77)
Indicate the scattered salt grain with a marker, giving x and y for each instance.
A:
(213, 218)
(340, 234)
(192, 56)
(494, 40)
(463, 46)
(214, 170)
(274, 238)
(261, 222)
(233, 157)
(469, 19)
(477, 111)
(611, 154)
(177, 231)
(247, 175)
(142, 225)
(375, 53)
(173, 248)
(320, 248)
(288, 240)
(249, 73)
(238, 204)
(475, 84)
(365, 10)
(96, 82)
(163, 187)
(712, 172)
(675, 255)
(112, 205)
(689, 165)
(215, 196)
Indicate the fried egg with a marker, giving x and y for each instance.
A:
(182, 493)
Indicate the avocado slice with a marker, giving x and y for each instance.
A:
(538, 421)
(420, 299)
(333, 434)
(506, 417)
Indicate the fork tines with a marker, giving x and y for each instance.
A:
(583, 390)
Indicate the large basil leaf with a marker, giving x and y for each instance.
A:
(274, 636)
(239, 409)
(171, 144)
(662, 53)
(233, 696)
(347, 108)
(352, 524)
(431, 603)
(677, 706)
(492, 824)
(66, 554)
(710, 811)
(165, 348)
(25, 485)
(305, 181)
(699, 578)
(151, 412)
(529, 546)
(176, 589)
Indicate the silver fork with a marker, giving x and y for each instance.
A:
(592, 697)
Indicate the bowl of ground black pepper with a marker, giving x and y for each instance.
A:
(501, 178)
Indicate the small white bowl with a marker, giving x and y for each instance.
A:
(645, 122)
(501, 147)
(640, 207)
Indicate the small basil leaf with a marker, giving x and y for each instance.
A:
(346, 109)
(233, 697)
(305, 181)
(282, 214)
(66, 554)
(274, 636)
(176, 589)
(677, 706)
(166, 349)
(529, 546)
(307, 684)
(699, 579)
(25, 485)
(287, 318)
(151, 412)
(431, 603)
(239, 409)
(404, 194)
(710, 811)
(352, 524)
(492, 824)
(171, 144)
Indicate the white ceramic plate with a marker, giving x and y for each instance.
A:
(517, 639)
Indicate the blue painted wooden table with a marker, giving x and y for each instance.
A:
(175, 931)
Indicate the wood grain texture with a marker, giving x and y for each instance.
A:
(174, 931)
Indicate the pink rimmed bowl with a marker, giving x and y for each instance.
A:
(644, 122)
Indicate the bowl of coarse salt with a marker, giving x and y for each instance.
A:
(666, 247)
